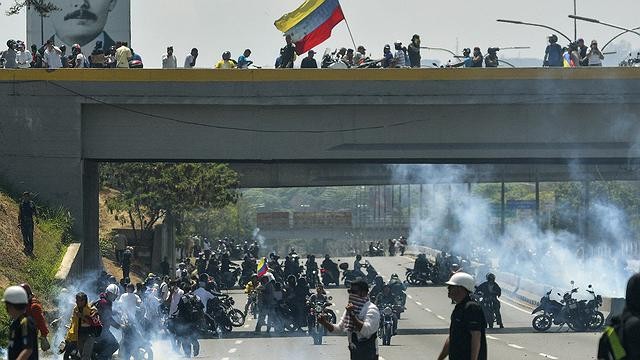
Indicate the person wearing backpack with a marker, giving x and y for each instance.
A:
(190, 313)
(621, 339)
(85, 326)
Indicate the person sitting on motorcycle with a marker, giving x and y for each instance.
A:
(331, 272)
(251, 284)
(398, 288)
(372, 251)
(301, 293)
(387, 60)
(421, 265)
(492, 291)
(377, 287)
(320, 295)
(106, 342)
(387, 298)
(312, 270)
(357, 266)
(248, 265)
(392, 247)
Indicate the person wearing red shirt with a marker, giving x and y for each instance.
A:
(35, 311)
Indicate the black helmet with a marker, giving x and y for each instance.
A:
(226, 55)
(11, 43)
(553, 38)
(387, 47)
(491, 277)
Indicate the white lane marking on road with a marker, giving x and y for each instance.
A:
(224, 359)
(515, 307)
(440, 317)
(246, 326)
(492, 337)
(548, 356)
(238, 342)
(418, 303)
(427, 309)
(515, 346)
(232, 350)
(409, 296)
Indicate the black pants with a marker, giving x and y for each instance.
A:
(496, 307)
(125, 271)
(364, 349)
(265, 317)
(27, 237)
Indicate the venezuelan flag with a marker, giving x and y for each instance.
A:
(262, 267)
(311, 23)
(567, 61)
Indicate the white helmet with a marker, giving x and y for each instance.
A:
(462, 279)
(15, 295)
(113, 289)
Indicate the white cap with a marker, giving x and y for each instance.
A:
(462, 279)
(15, 295)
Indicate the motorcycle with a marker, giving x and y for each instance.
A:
(216, 319)
(386, 323)
(230, 278)
(312, 278)
(319, 308)
(371, 272)
(488, 307)
(330, 277)
(415, 278)
(630, 61)
(374, 251)
(579, 315)
(347, 275)
(251, 306)
(236, 316)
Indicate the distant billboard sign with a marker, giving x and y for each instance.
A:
(273, 220)
(85, 22)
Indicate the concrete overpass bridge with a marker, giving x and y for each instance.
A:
(314, 127)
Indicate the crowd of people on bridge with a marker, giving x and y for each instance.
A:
(121, 55)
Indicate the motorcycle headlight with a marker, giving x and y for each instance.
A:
(318, 309)
(387, 311)
(231, 301)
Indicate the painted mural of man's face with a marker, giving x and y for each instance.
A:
(81, 21)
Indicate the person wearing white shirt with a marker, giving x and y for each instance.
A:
(52, 56)
(190, 60)
(174, 296)
(169, 60)
(204, 296)
(23, 57)
(361, 326)
(594, 56)
(129, 302)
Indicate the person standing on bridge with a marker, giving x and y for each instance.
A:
(25, 221)
(360, 321)
(466, 339)
(169, 60)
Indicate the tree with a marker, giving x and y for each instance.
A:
(42, 7)
(150, 191)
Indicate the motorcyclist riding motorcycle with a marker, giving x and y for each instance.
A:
(492, 291)
(331, 273)
(398, 288)
(421, 265)
(312, 270)
(106, 342)
(377, 287)
(387, 298)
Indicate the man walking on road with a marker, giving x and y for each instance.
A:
(360, 321)
(25, 221)
(466, 339)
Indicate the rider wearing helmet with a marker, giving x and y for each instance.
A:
(398, 288)
(23, 341)
(491, 290)
(467, 331)
(378, 284)
(106, 341)
(35, 311)
(226, 62)
(387, 298)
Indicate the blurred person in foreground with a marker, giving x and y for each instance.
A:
(621, 338)
(23, 335)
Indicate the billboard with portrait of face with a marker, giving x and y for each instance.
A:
(83, 22)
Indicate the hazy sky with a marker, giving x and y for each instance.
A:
(217, 25)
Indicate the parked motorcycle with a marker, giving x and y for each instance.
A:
(579, 315)
(416, 278)
(216, 319)
(236, 316)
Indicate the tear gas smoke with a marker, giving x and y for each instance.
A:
(460, 222)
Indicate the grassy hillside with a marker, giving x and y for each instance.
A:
(52, 226)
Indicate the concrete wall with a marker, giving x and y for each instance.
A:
(56, 125)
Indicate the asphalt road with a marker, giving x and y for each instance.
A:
(422, 331)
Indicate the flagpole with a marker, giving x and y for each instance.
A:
(349, 29)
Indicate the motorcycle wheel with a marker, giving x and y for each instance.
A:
(386, 339)
(317, 339)
(597, 321)
(411, 279)
(236, 317)
(332, 315)
(541, 322)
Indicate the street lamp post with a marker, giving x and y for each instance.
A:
(596, 21)
(617, 36)
(535, 25)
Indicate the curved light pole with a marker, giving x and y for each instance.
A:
(440, 49)
(536, 25)
(596, 21)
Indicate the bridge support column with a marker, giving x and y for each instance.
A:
(91, 215)
(502, 206)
